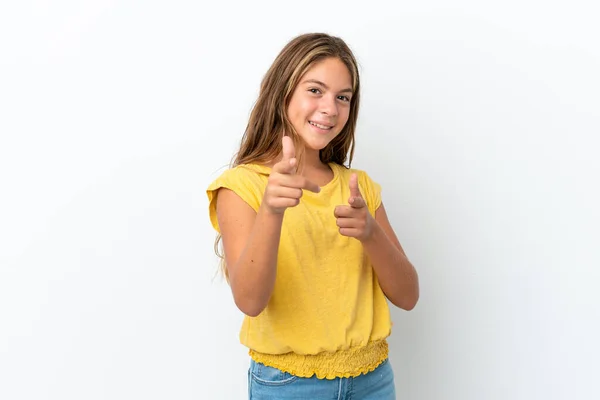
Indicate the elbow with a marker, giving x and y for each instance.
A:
(410, 295)
(248, 299)
(407, 301)
(406, 304)
(251, 311)
(250, 307)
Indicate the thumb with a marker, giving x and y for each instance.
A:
(356, 199)
(288, 162)
(289, 151)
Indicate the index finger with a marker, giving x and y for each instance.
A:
(313, 187)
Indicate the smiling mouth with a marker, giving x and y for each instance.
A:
(327, 127)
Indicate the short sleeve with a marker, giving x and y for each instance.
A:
(371, 190)
(247, 183)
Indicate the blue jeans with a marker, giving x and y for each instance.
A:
(268, 383)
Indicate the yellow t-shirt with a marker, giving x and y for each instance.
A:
(327, 314)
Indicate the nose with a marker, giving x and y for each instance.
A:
(329, 106)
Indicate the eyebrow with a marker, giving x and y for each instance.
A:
(348, 90)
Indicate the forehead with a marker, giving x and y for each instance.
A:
(331, 71)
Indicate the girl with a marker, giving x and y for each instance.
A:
(309, 252)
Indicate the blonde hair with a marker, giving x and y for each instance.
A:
(268, 122)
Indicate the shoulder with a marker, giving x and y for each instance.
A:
(248, 181)
(240, 178)
(242, 172)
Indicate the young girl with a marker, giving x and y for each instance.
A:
(309, 252)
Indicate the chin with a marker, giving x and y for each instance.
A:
(317, 143)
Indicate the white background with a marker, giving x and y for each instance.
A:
(479, 119)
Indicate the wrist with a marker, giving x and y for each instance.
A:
(268, 213)
(373, 232)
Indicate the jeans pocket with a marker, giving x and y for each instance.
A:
(270, 376)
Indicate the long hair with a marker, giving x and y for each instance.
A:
(268, 122)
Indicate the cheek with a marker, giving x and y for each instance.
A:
(301, 108)
(344, 116)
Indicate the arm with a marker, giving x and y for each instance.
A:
(397, 276)
(250, 242)
(251, 239)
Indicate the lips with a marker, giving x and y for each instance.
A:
(320, 126)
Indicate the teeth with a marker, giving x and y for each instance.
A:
(319, 125)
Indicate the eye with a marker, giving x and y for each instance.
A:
(344, 98)
(314, 90)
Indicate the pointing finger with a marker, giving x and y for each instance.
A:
(313, 187)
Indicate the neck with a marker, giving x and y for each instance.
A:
(312, 159)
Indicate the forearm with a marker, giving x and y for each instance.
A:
(396, 275)
(253, 277)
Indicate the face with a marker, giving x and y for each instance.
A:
(320, 105)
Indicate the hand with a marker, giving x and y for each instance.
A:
(354, 220)
(284, 188)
